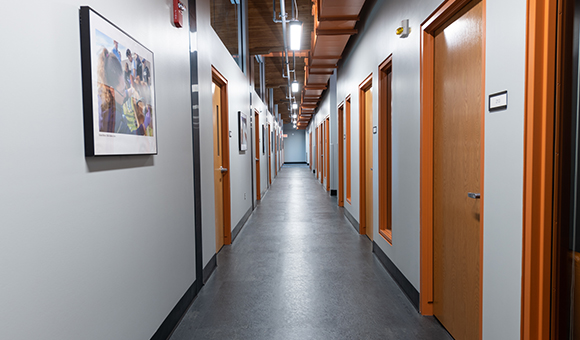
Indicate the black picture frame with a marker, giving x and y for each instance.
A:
(118, 82)
(263, 139)
(243, 131)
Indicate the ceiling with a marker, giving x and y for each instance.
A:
(327, 25)
(265, 38)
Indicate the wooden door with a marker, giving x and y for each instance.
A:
(322, 155)
(218, 166)
(258, 128)
(310, 149)
(457, 118)
(367, 139)
(340, 157)
(327, 152)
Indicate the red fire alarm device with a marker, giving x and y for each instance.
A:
(178, 9)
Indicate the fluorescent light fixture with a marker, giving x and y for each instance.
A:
(294, 116)
(295, 106)
(295, 35)
(295, 86)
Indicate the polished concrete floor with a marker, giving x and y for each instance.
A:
(299, 270)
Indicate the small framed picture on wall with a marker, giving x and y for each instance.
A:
(243, 126)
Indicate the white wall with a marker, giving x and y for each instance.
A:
(257, 104)
(503, 145)
(90, 248)
(503, 185)
(294, 144)
(212, 52)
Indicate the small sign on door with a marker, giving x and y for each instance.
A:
(498, 101)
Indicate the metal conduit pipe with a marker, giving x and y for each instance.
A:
(283, 15)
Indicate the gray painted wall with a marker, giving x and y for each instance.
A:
(212, 52)
(504, 163)
(90, 248)
(294, 144)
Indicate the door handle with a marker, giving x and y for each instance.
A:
(257, 159)
(223, 170)
(474, 195)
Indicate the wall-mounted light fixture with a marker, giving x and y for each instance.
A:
(295, 86)
(295, 35)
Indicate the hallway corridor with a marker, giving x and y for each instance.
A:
(299, 270)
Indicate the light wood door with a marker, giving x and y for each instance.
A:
(368, 167)
(341, 156)
(457, 163)
(218, 166)
(258, 128)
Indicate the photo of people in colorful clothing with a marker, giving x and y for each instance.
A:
(124, 89)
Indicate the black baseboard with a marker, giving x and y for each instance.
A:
(295, 163)
(352, 220)
(172, 320)
(333, 192)
(399, 278)
(240, 224)
(209, 268)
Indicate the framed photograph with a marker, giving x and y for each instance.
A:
(263, 139)
(243, 126)
(118, 77)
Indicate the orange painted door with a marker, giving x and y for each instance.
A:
(321, 148)
(217, 162)
(368, 166)
(310, 149)
(327, 142)
(457, 172)
(341, 157)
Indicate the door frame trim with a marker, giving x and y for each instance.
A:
(364, 86)
(257, 128)
(341, 138)
(327, 149)
(539, 109)
(439, 17)
(219, 79)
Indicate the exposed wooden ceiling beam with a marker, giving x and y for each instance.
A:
(315, 87)
(326, 57)
(337, 32)
(301, 54)
(323, 66)
(340, 18)
(321, 72)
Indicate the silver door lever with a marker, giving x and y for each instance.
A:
(223, 169)
(474, 195)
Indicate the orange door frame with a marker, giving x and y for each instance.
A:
(219, 79)
(327, 142)
(363, 87)
(540, 104)
(257, 128)
(341, 155)
(428, 28)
